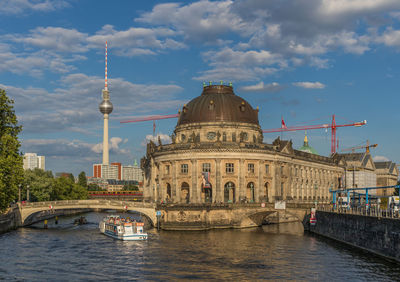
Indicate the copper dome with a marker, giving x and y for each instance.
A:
(218, 103)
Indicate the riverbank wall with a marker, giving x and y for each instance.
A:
(10, 220)
(378, 235)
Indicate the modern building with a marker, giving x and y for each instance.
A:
(32, 161)
(218, 155)
(106, 171)
(132, 172)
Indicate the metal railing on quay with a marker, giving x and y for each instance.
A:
(374, 211)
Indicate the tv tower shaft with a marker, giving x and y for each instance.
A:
(105, 108)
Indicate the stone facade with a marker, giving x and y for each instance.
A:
(218, 136)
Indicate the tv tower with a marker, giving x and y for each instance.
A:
(105, 108)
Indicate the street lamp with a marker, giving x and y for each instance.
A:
(19, 193)
(27, 193)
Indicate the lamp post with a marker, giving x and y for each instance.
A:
(19, 193)
(27, 193)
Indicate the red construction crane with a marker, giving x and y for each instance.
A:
(366, 147)
(157, 117)
(332, 126)
(153, 118)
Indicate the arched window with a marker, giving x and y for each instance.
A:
(168, 192)
(229, 192)
(185, 193)
(266, 191)
(250, 192)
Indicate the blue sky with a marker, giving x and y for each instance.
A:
(305, 60)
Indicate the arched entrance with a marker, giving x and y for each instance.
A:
(266, 191)
(185, 193)
(168, 193)
(229, 192)
(250, 192)
(206, 193)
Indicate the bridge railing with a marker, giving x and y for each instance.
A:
(101, 202)
(374, 211)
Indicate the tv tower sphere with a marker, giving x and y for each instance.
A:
(106, 107)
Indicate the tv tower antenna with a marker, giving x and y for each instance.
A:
(105, 108)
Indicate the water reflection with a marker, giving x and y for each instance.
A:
(273, 252)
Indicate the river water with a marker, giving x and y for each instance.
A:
(66, 252)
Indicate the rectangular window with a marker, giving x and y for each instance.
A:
(250, 168)
(224, 137)
(230, 168)
(267, 169)
(207, 167)
(167, 169)
(233, 137)
(184, 168)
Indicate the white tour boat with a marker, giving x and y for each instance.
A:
(122, 228)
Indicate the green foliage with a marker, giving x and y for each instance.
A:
(11, 171)
(66, 189)
(94, 187)
(40, 184)
(396, 190)
(82, 179)
(130, 187)
(44, 187)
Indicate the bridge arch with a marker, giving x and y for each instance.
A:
(46, 208)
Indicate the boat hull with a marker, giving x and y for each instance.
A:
(132, 237)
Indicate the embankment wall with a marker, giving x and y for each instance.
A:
(377, 235)
(10, 220)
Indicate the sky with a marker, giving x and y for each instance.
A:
(302, 61)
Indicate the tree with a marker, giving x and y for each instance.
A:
(66, 189)
(82, 179)
(130, 187)
(94, 187)
(11, 161)
(40, 184)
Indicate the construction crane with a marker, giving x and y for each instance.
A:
(333, 126)
(366, 147)
(153, 118)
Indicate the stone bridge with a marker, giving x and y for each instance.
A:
(174, 216)
(43, 210)
(210, 216)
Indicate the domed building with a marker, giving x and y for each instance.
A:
(217, 155)
(306, 147)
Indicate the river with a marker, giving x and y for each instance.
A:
(65, 252)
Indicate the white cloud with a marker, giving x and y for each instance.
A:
(114, 146)
(56, 39)
(380, 159)
(310, 85)
(75, 103)
(261, 87)
(165, 139)
(21, 6)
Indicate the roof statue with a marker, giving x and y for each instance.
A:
(306, 147)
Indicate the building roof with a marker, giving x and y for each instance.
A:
(218, 103)
(307, 148)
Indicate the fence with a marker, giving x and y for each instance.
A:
(374, 211)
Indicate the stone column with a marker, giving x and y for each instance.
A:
(217, 191)
(194, 190)
(241, 191)
(174, 186)
(162, 193)
(260, 186)
(273, 182)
